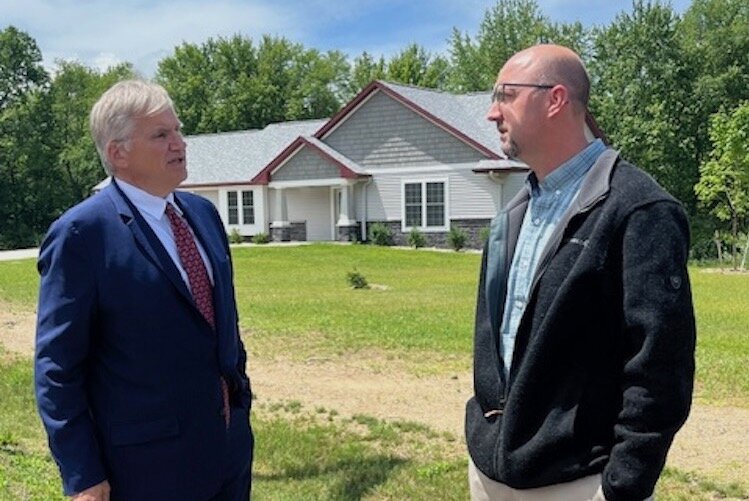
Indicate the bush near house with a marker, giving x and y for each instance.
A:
(235, 237)
(457, 238)
(416, 238)
(379, 234)
(261, 238)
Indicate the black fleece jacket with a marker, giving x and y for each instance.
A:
(603, 365)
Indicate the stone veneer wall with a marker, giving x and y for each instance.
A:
(295, 232)
(472, 228)
(350, 233)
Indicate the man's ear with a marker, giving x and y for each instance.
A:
(117, 154)
(558, 97)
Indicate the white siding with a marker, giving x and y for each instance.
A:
(211, 195)
(471, 195)
(313, 206)
(259, 203)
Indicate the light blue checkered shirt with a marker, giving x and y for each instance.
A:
(549, 200)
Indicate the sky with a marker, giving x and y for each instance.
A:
(100, 33)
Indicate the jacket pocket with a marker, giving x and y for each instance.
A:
(143, 432)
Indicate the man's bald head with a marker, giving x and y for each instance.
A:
(555, 64)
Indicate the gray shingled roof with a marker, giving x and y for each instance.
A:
(464, 112)
(237, 157)
(231, 157)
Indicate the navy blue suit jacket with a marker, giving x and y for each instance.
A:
(127, 371)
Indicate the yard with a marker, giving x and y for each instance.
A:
(360, 392)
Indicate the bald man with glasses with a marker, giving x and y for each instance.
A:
(584, 334)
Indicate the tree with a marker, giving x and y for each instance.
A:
(186, 75)
(364, 71)
(642, 95)
(71, 95)
(415, 66)
(724, 177)
(231, 84)
(715, 39)
(21, 70)
(23, 151)
(509, 26)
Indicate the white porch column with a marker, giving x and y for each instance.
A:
(280, 212)
(345, 218)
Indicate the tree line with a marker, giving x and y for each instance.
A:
(670, 91)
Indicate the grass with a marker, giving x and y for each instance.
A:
(296, 302)
(722, 311)
(19, 283)
(310, 454)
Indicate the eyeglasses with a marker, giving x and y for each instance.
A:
(498, 94)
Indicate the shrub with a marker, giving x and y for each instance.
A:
(235, 237)
(456, 238)
(484, 234)
(416, 239)
(261, 238)
(380, 234)
(356, 280)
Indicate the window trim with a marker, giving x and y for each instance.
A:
(423, 182)
(240, 207)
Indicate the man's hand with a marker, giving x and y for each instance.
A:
(99, 492)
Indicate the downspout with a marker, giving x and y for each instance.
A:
(364, 219)
(499, 180)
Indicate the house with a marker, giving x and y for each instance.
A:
(398, 155)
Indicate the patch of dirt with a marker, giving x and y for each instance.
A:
(16, 330)
(714, 442)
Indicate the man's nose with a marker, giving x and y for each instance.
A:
(494, 114)
(178, 142)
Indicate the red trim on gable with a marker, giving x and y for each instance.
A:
(344, 171)
(377, 85)
(264, 176)
(356, 101)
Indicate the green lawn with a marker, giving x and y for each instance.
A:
(295, 301)
(300, 454)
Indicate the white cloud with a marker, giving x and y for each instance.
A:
(102, 32)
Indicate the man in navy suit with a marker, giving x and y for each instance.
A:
(140, 371)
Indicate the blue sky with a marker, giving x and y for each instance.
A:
(99, 33)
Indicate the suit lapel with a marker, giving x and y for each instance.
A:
(145, 238)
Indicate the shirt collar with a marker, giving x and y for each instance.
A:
(146, 202)
(568, 172)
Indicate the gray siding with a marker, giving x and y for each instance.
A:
(383, 132)
(306, 164)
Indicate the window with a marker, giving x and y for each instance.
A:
(247, 207)
(233, 212)
(424, 205)
(413, 204)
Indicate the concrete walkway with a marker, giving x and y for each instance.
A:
(12, 255)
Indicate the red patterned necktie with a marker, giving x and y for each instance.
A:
(197, 276)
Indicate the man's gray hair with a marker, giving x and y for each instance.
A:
(112, 117)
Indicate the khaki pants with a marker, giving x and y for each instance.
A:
(484, 488)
